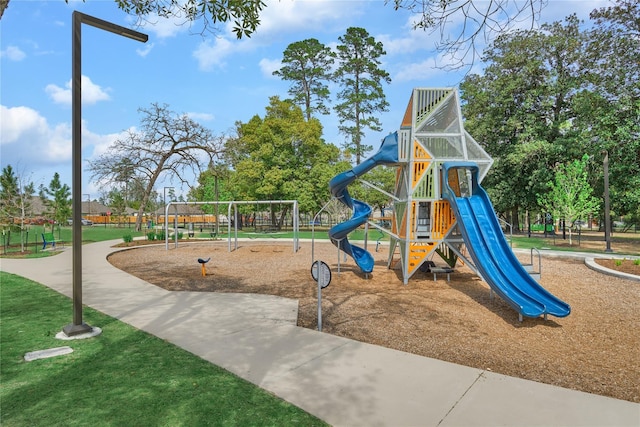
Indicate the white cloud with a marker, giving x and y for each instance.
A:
(26, 135)
(421, 71)
(91, 93)
(13, 53)
(213, 54)
(282, 16)
(27, 138)
(166, 27)
(558, 10)
(278, 18)
(268, 66)
(143, 52)
(98, 144)
(16, 121)
(159, 27)
(205, 117)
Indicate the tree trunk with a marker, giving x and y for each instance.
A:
(148, 191)
(283, 214)
(515, 221)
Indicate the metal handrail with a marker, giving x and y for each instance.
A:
(539, 260)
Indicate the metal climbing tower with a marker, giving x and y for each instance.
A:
(423, 222)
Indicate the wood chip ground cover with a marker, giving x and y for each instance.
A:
(595, 349)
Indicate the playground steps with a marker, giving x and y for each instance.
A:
(531, 269)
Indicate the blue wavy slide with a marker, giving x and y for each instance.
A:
(386, 155)
(492, 254)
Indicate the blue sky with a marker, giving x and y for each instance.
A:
(216, 79)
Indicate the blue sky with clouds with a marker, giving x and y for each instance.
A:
(217, 79)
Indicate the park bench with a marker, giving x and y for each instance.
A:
(48, 239)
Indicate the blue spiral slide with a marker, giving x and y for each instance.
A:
(386, 155)
(491, 252)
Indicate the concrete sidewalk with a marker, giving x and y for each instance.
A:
(344, 382)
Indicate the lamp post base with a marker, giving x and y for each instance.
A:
(71, 329)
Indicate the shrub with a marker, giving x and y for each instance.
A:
(618, 262)
(636, 262)
(151, 235)
(128, 238)
(160, 235)
(180, 235)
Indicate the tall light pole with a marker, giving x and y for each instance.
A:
(78, 327)
(607, 214)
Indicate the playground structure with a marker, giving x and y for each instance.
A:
(232, 206)
(439, 206)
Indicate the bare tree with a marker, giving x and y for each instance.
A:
(168, 145)
(479, 21)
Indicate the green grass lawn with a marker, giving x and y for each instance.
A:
(33, 237)
(624, 243)
(124, 377)
(98, 233)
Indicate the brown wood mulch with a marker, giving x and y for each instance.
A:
(595, 349)
(628, 266)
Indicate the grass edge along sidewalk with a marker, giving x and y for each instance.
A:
(123, 377)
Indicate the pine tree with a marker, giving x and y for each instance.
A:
(307, 65)
(362, 94)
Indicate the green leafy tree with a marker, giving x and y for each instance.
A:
(171, 195)
(15, 200)
(307, 64)
(57, 200)
(244, 14)
(553, 94)
(522, 109)
(9, 193)
(383, 178)
(213, 185)
(570, 196)
(126, 177)
(609, 111)
(168, 145)
(282, 157)
(117, 204)
(360, 79)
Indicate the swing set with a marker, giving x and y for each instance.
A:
(232, 215)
